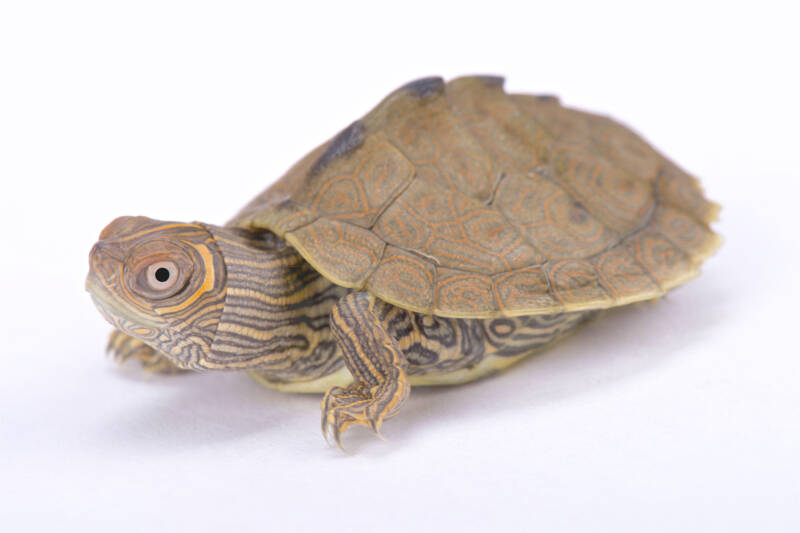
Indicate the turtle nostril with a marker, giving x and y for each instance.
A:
(103, 263)
(98, 253)
(103, 251)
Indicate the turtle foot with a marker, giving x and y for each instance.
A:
(123, 347)
(356, 405)
(376, 363)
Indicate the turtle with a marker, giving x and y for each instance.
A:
(452, 231)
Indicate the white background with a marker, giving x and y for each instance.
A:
(681, 415)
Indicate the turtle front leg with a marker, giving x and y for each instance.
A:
(123, 347)
(374, 359)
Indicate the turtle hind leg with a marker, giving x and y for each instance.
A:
(374, 359)
(123, 347)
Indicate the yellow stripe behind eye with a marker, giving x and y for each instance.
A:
(157, 229)
(208, 280)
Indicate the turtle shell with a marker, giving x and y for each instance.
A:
(461, 200)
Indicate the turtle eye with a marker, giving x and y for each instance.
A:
(162, 276)
(158, 270)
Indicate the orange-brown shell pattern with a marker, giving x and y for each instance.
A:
(461, 200)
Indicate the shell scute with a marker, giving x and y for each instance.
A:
(359, 191)
(345, 142)
(692, 237)
(346, 253)
(666, 264)
(514, 142)
(577, 285)
(466, 294)
(403, 276)
(624, 278)
(429, 134)
(682, 191)
(620, 201)
(560, 226)
(460, 232)
(523, 289)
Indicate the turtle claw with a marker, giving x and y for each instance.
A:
(344, 407)
(117, 346)
(123, 347)
(377, 432)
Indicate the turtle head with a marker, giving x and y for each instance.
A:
(161, 282)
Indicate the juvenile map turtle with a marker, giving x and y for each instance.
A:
(446, 235)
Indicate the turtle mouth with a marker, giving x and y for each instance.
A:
(100, 297)
(115, 313)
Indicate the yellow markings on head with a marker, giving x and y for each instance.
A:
(208, 280)
(128, 295)
(157, 229)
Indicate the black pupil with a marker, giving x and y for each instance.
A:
(162, 274)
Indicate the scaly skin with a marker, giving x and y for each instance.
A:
(252, 303)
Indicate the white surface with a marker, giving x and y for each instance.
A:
(677, 416)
